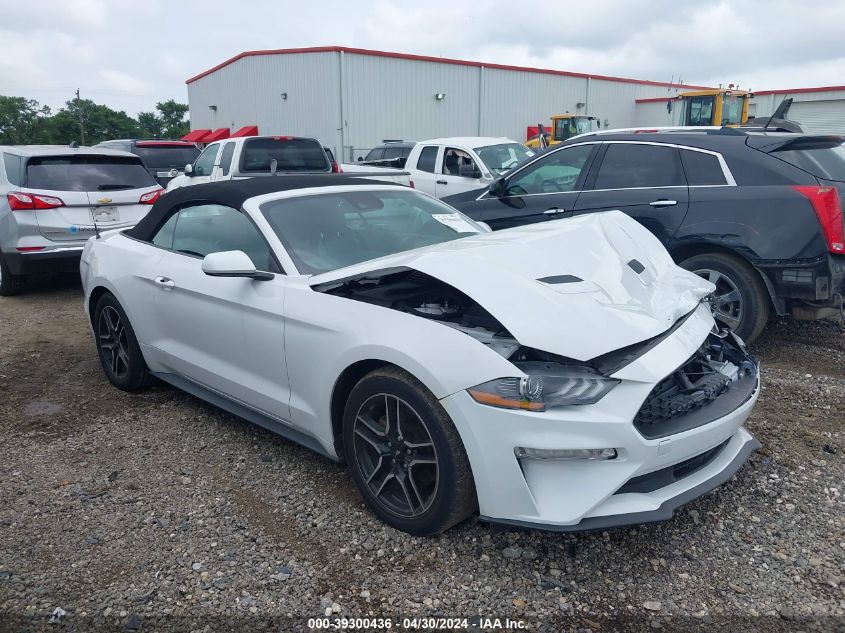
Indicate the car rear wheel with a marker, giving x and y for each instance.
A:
(117, 346)
(10, 284)
(405, 454)
(740, 301)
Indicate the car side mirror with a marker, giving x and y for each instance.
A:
(232, 264)
(360, 159)
(189, 170)
(497, 188)
(469, 171)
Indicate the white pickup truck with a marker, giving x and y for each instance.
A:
(446, 166)
(251, 156)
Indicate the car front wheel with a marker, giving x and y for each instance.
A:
(740, 301)
(117, 346)
(405, 454)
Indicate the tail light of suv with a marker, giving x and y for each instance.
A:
(828, 207)
(151, 197)
(29, 201)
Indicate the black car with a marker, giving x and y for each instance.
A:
(759, 214)
(389, 154)
(159, 156)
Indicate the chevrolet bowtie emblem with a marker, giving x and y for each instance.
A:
(104, 200)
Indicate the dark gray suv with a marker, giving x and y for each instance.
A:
(759, 214)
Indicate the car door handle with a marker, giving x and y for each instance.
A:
(555, 211)
(165, 282)
(441, 182)
(663, 203)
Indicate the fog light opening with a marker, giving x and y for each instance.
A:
(566, 453)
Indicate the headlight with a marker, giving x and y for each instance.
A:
(547, 385)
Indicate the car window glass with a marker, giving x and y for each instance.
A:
(205, 163)
(14, 171)
(87, 172)
(503, 157)
(457, 162)
(628, 165)
(166, 157)
(375, 154)
(164, 236)
(212, 228)
(702, 169)
(427, 159)
(555, 172)
(226, 158)
(822, 157)
(290, 154)
(392, 153)
(329, 231)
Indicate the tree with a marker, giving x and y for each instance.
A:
(22, 121)
(101, 122)
(149, 125)
(25, 121)
(173, 124)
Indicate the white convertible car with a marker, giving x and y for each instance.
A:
(564, 375)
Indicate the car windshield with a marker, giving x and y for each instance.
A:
(500, 158)
(166, 156)
(329, 231)
(87, 173)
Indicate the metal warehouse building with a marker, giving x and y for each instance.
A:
(354, 98)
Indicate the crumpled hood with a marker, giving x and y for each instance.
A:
(579, 287)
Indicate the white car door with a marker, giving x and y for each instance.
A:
(204, 165)
(423, 173)
(458, 172)
(224, 333)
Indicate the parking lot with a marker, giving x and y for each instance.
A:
(124, 508)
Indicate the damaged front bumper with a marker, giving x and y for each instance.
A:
(654, 471)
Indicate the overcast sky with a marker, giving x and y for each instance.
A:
(129, 54)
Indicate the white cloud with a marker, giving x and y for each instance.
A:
(117, 81)
(131, 54)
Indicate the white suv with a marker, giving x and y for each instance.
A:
(51, 198)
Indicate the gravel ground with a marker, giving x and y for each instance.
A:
(157, 512)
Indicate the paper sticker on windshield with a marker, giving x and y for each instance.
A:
(455, 222)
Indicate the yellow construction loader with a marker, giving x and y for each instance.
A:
(715, 107)
(564, 126)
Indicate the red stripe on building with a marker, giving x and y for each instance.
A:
(440, 60)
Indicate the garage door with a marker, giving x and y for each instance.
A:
(819, 117)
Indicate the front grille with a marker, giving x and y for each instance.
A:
(669, 475)
(679, 401)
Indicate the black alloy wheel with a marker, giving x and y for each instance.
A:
(396, 455)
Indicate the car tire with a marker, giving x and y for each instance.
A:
(118, 349)
(414, 475)
(10, 285)
(740, 301)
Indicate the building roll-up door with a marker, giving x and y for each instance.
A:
(819, 117)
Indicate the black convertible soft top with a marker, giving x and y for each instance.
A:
(233, 193)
